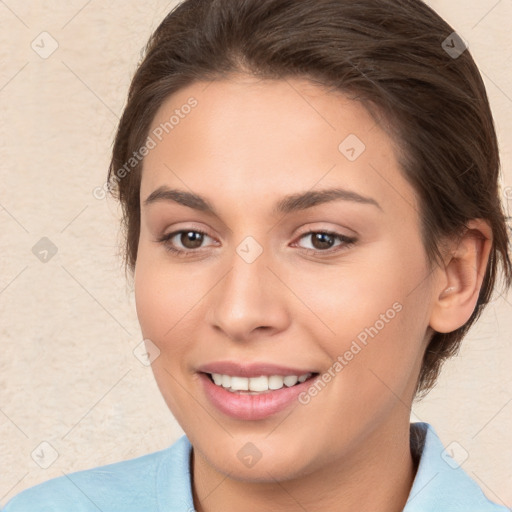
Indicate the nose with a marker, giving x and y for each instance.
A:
(250, 300)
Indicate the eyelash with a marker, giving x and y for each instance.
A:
(347, 242)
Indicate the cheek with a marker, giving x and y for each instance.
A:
(156, 300)
(160, 294)
(373, 315)
(161, 311)
(169, 300)
(347, 299)
(149, 301)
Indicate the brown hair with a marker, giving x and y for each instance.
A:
(391, 54)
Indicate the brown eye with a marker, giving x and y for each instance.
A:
(183, 242)
(191, 239)
(324, 241)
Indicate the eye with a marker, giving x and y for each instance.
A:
(190, 240)
(324, 241)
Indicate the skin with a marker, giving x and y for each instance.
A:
(247, 144)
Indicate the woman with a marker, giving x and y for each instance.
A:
(312, 220)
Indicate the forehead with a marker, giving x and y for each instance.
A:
(276, 136)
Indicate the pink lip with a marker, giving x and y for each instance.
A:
(243, 406)
(251, 369)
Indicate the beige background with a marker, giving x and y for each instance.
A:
(68, 375)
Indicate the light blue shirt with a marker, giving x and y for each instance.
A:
(160, 482)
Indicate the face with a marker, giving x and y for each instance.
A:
(277, 277)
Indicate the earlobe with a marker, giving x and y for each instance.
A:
(456, 293)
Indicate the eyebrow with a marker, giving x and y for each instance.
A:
(290, 203)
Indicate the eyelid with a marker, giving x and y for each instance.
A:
(166, 237)
(191, 226)
(316, 227)
(346, 241)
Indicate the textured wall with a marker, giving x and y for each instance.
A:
(68, 376)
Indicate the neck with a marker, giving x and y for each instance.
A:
(377, 476)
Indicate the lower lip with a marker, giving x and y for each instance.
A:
(243, 406)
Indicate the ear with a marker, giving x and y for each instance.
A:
(456, 291)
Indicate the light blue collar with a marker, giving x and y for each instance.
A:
(440, 485)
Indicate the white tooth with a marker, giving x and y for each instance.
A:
(226, 381)
(217, 378)
(258, 383)
(240, 383)
(275, 382)
(290, 380)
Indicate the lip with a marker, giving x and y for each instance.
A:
(255, 369)
(243, 406)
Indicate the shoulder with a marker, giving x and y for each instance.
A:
(441, 483)
(126, 486)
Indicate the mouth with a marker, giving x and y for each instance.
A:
(253, 392)
(259, 384)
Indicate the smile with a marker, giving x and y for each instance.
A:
(256, 397)
(256, 385)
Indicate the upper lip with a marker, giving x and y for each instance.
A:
(254, 369)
